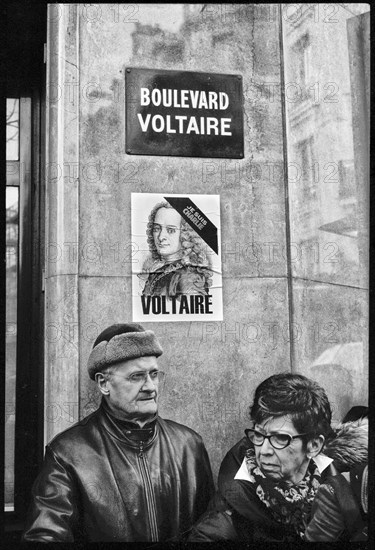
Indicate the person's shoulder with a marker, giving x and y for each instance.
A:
(179, 430)
(74, 433)
(232, 461)
(238, 451)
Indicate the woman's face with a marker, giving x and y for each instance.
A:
(288, 464)
(166, 231)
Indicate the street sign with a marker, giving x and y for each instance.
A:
(182, 113)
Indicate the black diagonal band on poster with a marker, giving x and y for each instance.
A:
(196, 219)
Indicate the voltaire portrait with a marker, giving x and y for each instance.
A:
(179, 262)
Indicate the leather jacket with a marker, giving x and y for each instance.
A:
(108, 480)
(236, 513)
(339, 511)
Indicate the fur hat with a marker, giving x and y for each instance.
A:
(121, 342)
(349, 445)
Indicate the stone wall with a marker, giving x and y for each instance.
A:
(212, 368)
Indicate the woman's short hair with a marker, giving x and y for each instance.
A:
(194, 249)
(295, 396)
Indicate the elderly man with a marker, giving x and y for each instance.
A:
(122, 473)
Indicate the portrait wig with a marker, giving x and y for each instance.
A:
(194, 249)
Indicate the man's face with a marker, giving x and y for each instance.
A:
(166, 232)
(129, 396)
(288, 464)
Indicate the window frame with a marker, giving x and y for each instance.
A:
(26, 175)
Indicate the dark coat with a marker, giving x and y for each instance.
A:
(175, 279)
(337, 513)
(340, 507)
(237, 514)
(100, 482)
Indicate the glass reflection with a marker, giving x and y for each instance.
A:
(326, 52)
(12, 129)
(11, 339)
(325, 191)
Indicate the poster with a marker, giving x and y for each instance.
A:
(177, 272)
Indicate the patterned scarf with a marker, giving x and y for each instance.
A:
(288, 504)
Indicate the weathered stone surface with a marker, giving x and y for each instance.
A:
(252, 189)
(61, 371)
(212, 368)
(61, 375)
(330, 341)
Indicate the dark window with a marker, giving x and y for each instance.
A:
(302, 52)
(26, 26)
(308, 169)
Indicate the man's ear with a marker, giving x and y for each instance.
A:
(102, 383)
(315, 445)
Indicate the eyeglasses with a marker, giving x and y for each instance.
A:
(278, 441)
(141, 377)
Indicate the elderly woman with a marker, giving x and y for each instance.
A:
(269, 479)
(179, 263)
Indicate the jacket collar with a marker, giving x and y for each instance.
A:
(126, 430)
(322, 462)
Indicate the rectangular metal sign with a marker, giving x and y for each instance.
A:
(182, 113)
